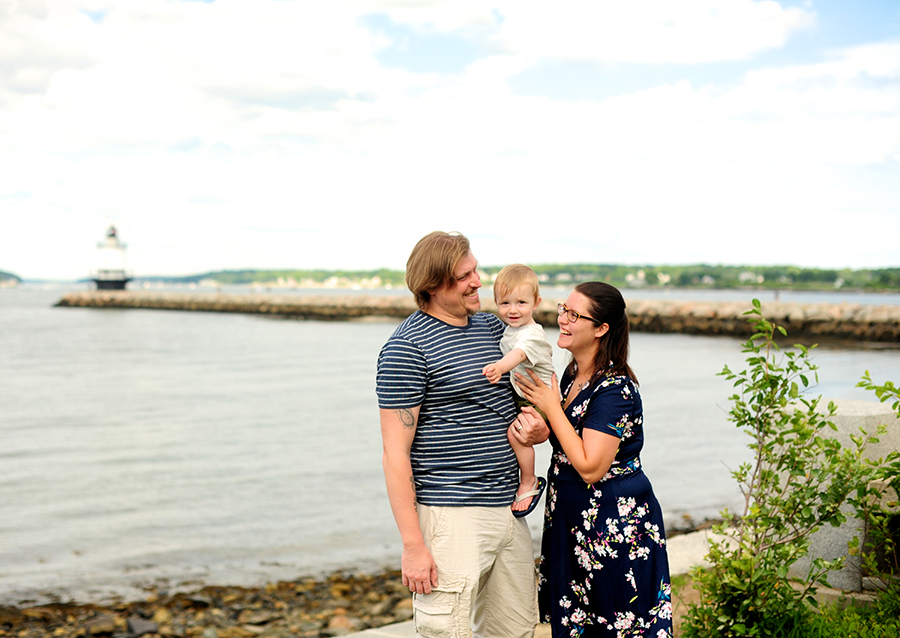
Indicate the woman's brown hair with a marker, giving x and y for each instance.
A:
(608, 306)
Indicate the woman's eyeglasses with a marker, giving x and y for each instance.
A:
(572, 316)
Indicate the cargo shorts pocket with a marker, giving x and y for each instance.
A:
(444, 613)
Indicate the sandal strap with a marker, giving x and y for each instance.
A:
(534, 492)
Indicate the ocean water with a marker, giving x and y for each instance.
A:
(144, 449)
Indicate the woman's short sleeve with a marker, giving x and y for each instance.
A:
(613, 407)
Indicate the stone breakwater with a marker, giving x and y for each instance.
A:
(812, 322)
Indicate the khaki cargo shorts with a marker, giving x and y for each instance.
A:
(487, 585)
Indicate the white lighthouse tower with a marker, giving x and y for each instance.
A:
(110, 273)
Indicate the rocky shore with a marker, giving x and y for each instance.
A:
(811, 322)
(340, 604)
(307, 608)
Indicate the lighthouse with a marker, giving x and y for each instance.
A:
(110, 273)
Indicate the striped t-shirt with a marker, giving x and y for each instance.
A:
(460, 454)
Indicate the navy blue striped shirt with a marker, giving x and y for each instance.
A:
(460, 454)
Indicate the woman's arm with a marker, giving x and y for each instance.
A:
(398, 427)
(591, 456)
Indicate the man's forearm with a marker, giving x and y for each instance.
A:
(398, 427)
(402, 495)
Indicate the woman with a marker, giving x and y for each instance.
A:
(604, 570)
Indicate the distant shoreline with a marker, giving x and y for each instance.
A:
(139, 284)
(705, 277)
(838, 322)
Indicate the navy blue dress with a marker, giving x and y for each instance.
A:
(604, 569)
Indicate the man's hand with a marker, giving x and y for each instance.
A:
(492, 372)
(418, 569)
(529, 428)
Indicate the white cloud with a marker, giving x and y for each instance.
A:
(266, 134)
(440, 15)
(649, 31)
(644, 31)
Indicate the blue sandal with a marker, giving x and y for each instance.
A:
(539, 485)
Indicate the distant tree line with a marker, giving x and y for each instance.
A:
(8, 275)
(691, 276)
(707, 276)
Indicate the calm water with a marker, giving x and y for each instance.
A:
(143, 448)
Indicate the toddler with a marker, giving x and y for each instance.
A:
(524, 346)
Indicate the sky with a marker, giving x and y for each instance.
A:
(333, 134)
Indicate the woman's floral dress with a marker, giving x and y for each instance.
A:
(604, 569)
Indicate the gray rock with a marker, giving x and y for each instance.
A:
(101, 626)
(382, 608)
(258, 617)
(139, 626)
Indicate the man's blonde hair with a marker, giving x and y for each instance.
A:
(433, 262)
(513, 276)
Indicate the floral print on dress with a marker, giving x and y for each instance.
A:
(603, 567)
(628, 534)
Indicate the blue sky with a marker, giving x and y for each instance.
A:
(313, 134)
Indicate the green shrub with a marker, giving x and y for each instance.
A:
(799, 478)
(880, 557)
(856, 621)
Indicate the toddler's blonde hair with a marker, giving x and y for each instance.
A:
(513, 276)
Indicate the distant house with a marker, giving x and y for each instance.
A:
(747, 277)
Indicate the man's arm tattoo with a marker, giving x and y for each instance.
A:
(406, 417)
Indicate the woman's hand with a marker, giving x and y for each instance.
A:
(544, 397)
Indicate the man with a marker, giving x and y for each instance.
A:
(451, 475)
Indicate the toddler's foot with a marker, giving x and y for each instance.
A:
(521, 503)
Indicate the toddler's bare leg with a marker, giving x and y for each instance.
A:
(527, 478)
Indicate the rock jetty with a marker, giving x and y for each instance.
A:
(811, 322)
